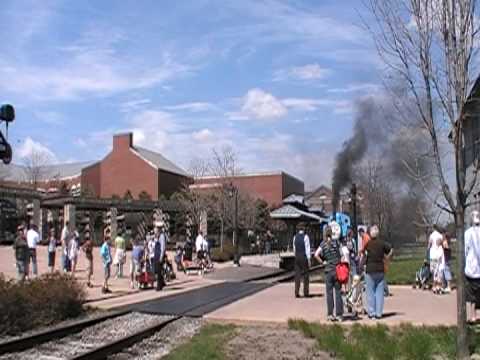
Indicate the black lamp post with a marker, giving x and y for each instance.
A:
(234, 193)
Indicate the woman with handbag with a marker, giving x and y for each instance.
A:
(329, 253)
(377, 251)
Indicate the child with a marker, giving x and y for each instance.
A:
(107, 261)
(437, 265)
(52, 246)
(136, 262)
(179, 258)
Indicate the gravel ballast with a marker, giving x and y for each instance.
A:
(89, 338)
(163, 341)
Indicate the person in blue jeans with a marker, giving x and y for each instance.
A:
(376, 252)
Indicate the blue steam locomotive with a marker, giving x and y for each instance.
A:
(343, 220)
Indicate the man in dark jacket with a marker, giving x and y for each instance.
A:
(159, 254)
(301, 248)
(21, 252)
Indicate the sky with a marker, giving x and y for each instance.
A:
(275, 80)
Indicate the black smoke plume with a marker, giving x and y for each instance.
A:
(353, 150)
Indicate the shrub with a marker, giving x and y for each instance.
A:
(226, 255)
(43, 301)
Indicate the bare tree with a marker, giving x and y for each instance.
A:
(379, 197)
(194, 201)
(34, 167)
(429, 44)
(224, 167)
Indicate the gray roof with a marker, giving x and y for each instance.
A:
(14, 172)
(293, 198)
(291, 212)
(159, 161)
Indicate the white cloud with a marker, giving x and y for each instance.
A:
(303, 73)
(191, 106)
(261, 105)
(204, 135)
(33, 149)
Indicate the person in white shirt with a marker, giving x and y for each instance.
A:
(437, 265)
(434, 237)
(32, 240)
(64, 242)
(73, 247)
(472, 266)
(200, 242)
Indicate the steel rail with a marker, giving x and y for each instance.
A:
(27, 342)
(102, 352)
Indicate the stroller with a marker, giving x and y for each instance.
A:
(145, 278)
(354, 298)
(423, 276)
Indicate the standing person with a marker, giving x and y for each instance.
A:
(120, 247)
(434, 237)
(329, 252)
(160, 247)
(20, 246)
(151, 251)
(73, 247)
(52, 248)
(447, 273)
(64, 242)
(301, 248)
(352, 250)
(472, 267)
(88, 250)
(199, 243)
(437, 265)
(106, 260)
(375, 251)
(32, 240)
(136, 261)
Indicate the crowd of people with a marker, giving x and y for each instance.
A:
(346, 261)
(148, 255)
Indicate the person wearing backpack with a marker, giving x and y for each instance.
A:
(376, 252)
(301, 248)
(329, 253)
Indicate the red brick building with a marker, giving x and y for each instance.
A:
(271, 187)
(135, 169)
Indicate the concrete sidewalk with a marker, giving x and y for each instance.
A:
(121, 291)
(277, 304)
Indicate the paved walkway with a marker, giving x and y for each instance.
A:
(277, 304)
(121, 291)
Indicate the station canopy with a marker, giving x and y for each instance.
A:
(294, 208)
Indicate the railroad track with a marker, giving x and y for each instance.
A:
(104, 336)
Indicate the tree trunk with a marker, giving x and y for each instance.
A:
(462, 335)
(221, 235)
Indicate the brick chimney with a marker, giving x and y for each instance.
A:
(122, 141)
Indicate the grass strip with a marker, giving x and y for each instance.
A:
(208, 344)
(381, 342)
